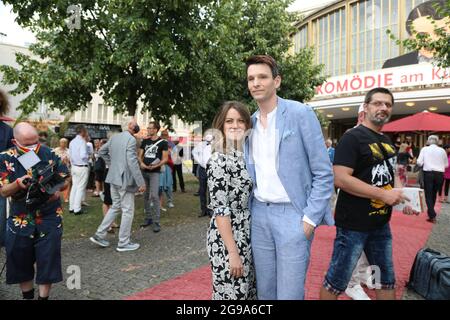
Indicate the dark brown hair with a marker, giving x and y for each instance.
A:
(368, 97)
(221, 115)
(155, 124)
(4, 103)
(264, 59)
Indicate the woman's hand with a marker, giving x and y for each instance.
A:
(236, 266)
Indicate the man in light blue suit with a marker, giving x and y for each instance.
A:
(293, 184)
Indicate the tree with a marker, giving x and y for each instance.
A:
(176, 57)
(439, 43)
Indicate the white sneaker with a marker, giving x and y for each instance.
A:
(128, 247)
(163, 209)
(102, 196)
(357, 293)
(170, 205)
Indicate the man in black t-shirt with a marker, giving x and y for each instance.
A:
(364, 164)
(153, 154)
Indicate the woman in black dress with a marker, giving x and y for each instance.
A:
(230, 186)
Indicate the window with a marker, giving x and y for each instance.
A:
(329, 41)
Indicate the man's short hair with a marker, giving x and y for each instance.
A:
(264, 59)
(80, 129)
(368, 97)
(424, 9)
(155, 124)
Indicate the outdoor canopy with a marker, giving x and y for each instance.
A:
(422, 121)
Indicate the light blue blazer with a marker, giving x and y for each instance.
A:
(303, 164)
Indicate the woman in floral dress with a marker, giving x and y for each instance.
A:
(230, 186)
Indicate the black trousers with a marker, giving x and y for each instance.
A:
(177, 170)
(446, 186)
(432, 182)
(203, 192)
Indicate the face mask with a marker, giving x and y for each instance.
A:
(29, 148)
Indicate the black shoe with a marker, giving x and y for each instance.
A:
(203, 214)
(80, 212)
(156, 228)
(432, 220)
(183, 191)
(147, 223)
(71, 211)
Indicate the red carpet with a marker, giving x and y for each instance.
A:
(410, 233)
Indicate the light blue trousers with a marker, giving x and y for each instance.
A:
(280, 250)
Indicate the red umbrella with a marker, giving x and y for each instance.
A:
(422, 121)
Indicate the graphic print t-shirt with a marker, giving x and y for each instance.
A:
(360, 150)
(153, 150)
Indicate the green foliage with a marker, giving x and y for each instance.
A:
(177, 57)
(439, 44)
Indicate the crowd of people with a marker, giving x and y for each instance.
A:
(266, 181)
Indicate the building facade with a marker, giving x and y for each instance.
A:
(350, 38)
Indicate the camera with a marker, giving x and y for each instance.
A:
(46, 182)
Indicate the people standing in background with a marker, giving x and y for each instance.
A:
(63, 152)
(201, 154)
(165, 178)
(79, 159)
(447, 176)
(434, 161)
(330, 149)
(403, 160)
(125, 178)
(153, 154)
(177, 157)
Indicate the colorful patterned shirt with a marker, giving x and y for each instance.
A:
(49, 215)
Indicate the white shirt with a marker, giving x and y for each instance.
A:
(264, 152)
(176, 158)
(202, 153)
(78, 151)
(433, 158)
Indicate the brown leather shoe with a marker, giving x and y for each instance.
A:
(432, 220)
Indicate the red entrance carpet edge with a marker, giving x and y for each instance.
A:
(410, 233)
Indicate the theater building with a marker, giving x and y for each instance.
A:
(350, 39)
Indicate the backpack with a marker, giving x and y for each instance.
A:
(430, 275)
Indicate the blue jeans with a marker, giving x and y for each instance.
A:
(2, 221)
(348, 246)
(281, 251)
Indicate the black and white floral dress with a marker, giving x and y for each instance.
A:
(230, 187)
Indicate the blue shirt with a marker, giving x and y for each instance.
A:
(6, 134)
(331, 153)
(78, 152)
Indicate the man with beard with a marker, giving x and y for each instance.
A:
(364, 171)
